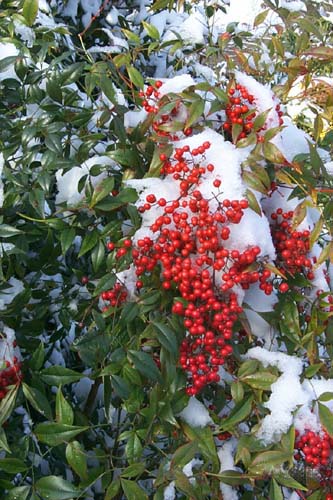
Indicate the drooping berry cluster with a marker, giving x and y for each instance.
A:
(10, 375)
(240, 112)
(292, 246)
(316, 450)
(190, 250)
(116, 296)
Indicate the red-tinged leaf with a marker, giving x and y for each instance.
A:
(322, 52)
(273, 154)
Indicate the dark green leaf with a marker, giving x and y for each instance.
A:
(54, 434)
(12, 465)
(37, 400)
(7, 404)
(145, 365)
(77, 459)
(132, 490)
(56, 488)
(89, 241)
(59, 375)
(167, 337)
(64, 412)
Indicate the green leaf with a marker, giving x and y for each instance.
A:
(326, 418)
(268, 460)
(54, 434)
(53, 143)
(18, 493)
(260, 18)
(184, 454)
(233, 478)
(195, 110)
(7, 231)
(64, 412)
(66, 238)
(59, 375)
(311, 370)
(134, 470)
(53, 89)
(120, 386)
(98, 255)
(3, 441)
(135, 77)
(151, 30)
(6, 62)
(12, 465)
(272, 153)
(102, 190)
(237, 391)
(286, 480)
(260, 380)
(30, 11)
(7, 404)
(133, 448)
(56, 488)
(185, 486)
(166, 337)
(37, 358)
(77, 459)
(275, 492)
(112, 490)
(132, 490)
(145, 365)
(239, 413)
(326, 396)
(37, 400)
(205, 439)
(89, 241)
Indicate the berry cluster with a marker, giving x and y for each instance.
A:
(238, 112)
(9, 376)
(315, 450)
(116, 296)
(153, 105)
(189, 250)
(292, 246)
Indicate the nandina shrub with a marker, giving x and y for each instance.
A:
(166, 307)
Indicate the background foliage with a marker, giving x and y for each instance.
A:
(96, 415)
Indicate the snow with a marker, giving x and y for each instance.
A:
(7, 349)
(176, 84)
(170, 491)
(195, 414)
(292, 5)
(7, 295)
(8, 50)
(67, 183)
(188, 468)
(226, 457)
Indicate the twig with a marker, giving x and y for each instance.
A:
(94, 17)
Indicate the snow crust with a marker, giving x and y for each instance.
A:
(195, 414)
(67, 183)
